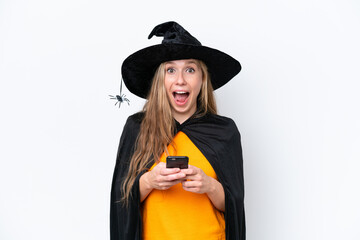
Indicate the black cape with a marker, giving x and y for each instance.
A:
(218, 139)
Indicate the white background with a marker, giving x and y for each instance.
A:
(296, 104)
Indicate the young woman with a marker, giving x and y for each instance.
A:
(205, 200)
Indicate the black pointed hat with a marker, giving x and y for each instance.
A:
(139, 68)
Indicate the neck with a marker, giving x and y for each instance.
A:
(182, 117)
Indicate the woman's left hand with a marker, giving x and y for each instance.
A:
(199, 181)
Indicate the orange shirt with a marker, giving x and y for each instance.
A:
(176, 214)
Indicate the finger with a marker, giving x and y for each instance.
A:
(176, 176)
(167, 185)
(195, 177)
(168, 171)
(189, 171)
(191, 184)
(192, 189)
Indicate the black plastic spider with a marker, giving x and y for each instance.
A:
(120, 98)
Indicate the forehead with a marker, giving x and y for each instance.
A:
(183, 62)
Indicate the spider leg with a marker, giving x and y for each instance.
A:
(120, 86)
(116, 103)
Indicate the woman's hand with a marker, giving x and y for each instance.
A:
(202, 183)
(163, 178)
(199, 181)
(160, 178)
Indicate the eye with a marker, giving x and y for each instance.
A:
(190, 70)
(170, 70)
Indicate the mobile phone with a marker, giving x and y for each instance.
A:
(177, 162)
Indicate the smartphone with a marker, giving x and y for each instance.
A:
(177, 162)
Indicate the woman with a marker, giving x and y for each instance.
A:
(204, 201)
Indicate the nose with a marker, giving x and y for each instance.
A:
(180, 80)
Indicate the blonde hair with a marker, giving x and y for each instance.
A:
(158, 126)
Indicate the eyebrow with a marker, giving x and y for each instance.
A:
(188, 62)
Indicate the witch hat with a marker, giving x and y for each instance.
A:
(139, 68)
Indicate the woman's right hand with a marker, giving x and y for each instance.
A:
(160, 178)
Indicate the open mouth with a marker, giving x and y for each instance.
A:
(181, 96)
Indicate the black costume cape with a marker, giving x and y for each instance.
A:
(218, 139)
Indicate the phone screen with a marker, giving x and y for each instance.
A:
(177, 162)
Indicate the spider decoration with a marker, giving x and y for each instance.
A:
(120, 98)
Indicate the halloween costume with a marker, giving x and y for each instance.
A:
(215, 136)
(218, 139)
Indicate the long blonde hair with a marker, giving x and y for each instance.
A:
(158, 126)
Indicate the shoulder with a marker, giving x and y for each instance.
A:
(220, 119)
(134, 120)
(221, 122)
(211, 127)
(132, 126)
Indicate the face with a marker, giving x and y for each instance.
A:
(183, 79)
